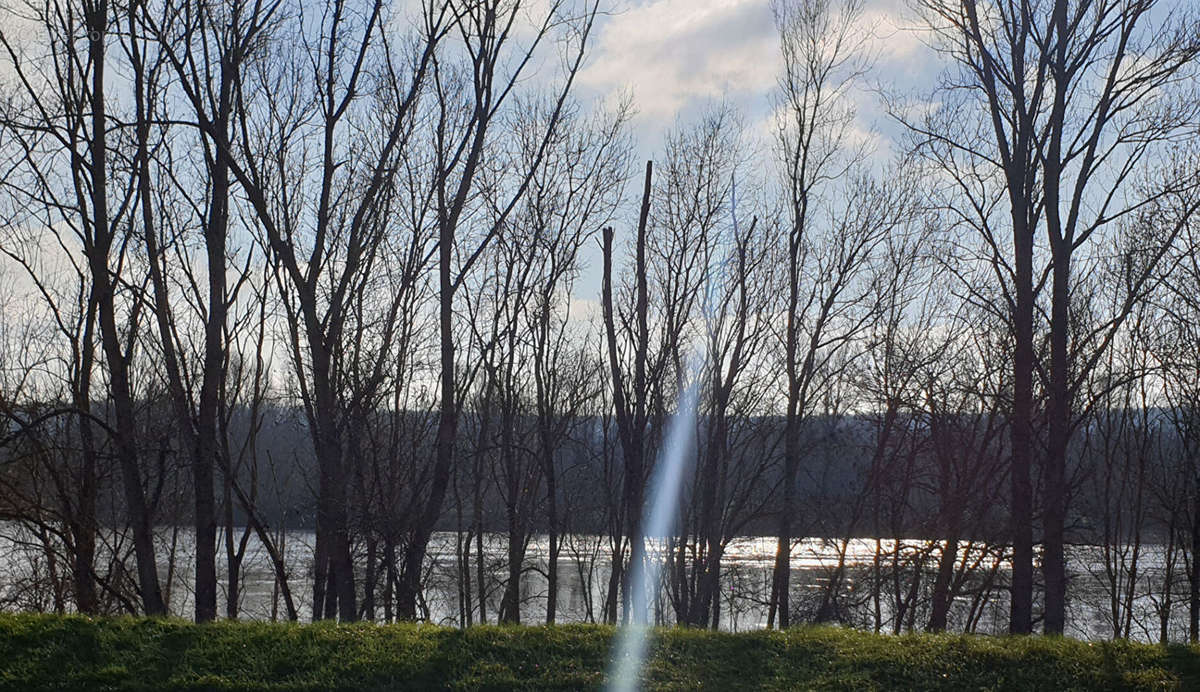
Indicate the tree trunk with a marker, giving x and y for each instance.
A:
(781, 586)
(510, 606)
(940, 608)
(1021, 602)
(710, 515)
(103, 290)
(552, 528)
(83, 527)
(1194, 582)
(631, 414)
(447, 427)
(1054, 484)
(233, 560)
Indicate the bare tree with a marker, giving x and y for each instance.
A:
(1176, 350)
(821, 45)
(574, 192)
(207, 45)
(630, 400)
(486, 30)
(348, 76)
(58, 112)
(1067, 154)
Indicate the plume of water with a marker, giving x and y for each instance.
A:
(659, 520)
(668, 477)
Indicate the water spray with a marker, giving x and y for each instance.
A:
(659, 517)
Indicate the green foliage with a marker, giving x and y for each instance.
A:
(40, 652)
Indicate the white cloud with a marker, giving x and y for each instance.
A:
(585, 310)
(670, 53)
(893, 37)
(676, 55)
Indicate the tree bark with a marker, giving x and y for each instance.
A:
(96, 16)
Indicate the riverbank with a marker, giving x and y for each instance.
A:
(40, 652)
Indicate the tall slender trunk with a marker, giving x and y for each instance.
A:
(635, 462)
(710, 516)
(781, 576)
(1164, 611)
(1021, 601)
(940, 608)
(204, 460)
(233, 560)
(462, 545)
(615, 578)
(781, 585)
(389, 566)
(84, 525)
(631, 414)
(368, 605)
(320, 574)
(510, 607)
(1054, 484)
(97, 251)
(447, 427)
(1061, 237)
(552, 528)
(1194, 582)
(480, 560)
(546, 443)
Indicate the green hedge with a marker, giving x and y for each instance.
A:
(39, 652)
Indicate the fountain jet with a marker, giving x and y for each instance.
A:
(678, 445)
(668, 477)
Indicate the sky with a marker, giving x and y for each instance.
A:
(676, 57)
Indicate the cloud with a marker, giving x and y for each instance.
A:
(893, 33)
(670, 53)
(585, 311)
(674, 56)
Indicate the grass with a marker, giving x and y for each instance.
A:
(42, 652)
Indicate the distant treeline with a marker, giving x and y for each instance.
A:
(836, 468)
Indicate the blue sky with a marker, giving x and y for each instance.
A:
(678, 56)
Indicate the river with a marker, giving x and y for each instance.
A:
(885, 567)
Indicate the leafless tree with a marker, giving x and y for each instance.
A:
(827, 250)
(466, 110)
(57, 110)
(1071, 117)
